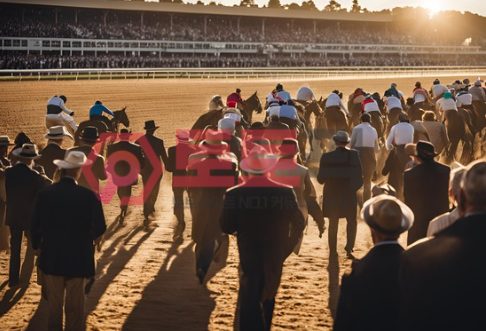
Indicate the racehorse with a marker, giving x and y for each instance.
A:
(457, 130)
(105, 125)
(310, 108)
(250, 105)
(328, 123)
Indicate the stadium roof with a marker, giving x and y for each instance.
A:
(209, 10)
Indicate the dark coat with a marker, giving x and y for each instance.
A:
(21, 186)
(65, 221)
(177, 162)
(97, 169)
(268, 223)
(442, 280)
(158, 148)
(123, 168)
(50, 153)
(207, 201)
(341, 173)
(370, 294)
(426, 192)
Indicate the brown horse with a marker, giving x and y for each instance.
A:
(457, 130)
(104, 125)
(250, 105)
(310, 108)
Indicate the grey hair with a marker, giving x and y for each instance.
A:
(474, 183)
(456, 181)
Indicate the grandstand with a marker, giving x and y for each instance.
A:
(36, 34)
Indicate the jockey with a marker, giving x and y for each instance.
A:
(392, 101)
(234, 98)
(58, 114)
(334, 100)
(305, 94)
(233, 113)
(282, 94)
(393, 91)
(289, 111)
(96, 112)
(370, 104)
(477, 91)
(273, 107)
(446, 103)
(438, 89)
(420, 95)
(464, 99)
(458, 85)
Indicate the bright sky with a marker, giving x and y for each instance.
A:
(474, 6)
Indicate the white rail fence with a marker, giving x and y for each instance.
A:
(324, 73)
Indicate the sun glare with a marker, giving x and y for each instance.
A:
(433, 6)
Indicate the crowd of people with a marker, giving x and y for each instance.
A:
(44, 61)
(261, 192)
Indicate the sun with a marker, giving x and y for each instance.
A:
(433, 6)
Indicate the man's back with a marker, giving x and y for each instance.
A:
(50, 153)
(97, 169)
(66, 220)
(442, 279)
(157, 146)
(123, 168)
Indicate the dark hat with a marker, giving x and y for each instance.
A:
(98, 103)
(257, 126)
(387, 215)
(341, 137)
(5, 141)
(365, 118)
(418, 84)
(279, 87)
(28, 151)
(425, 150)
(90, 134)
(436, 82)
(402, 117)
(124, 131)
(150, 125)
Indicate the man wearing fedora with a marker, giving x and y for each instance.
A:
(341, 173)
(289, 172)
(178, 158)
(370, 293)
(266, 219)
(426, 190)
(89, 137)
(158, 148)
(21, 186)
(4, 163)
(442, 279)
(53, 150)
(210, 172)
(122, 168)
(66, 221)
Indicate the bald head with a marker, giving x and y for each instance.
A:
(474, 186)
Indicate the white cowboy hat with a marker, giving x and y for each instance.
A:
(57, 132)
(28, 151)
(388, 215)
(213, 142)
(183, 137)
(73, 160)
(258, 162)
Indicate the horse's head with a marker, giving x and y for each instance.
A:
(254, 103)
(216, 103)
(314, 107)
(122, 117)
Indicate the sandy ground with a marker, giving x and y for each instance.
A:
(144, 280)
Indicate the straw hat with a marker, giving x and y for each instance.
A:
(5, 141)
(28, 151)
(387, 215)
(259, 161)
(341, 137)
(57, 132)
(73, 160)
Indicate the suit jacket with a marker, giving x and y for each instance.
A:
(207, 200)
(268, 223)
(158, 148)
(438, 135)
(98, 169)
(442, 279)
(177, 162)
(66, 220)
(370, 294)
(341, 173)
(50, 153)
(21, 186)
(123, 168)
(426, 192)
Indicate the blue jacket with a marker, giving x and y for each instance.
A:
(98, 109)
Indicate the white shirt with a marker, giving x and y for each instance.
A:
(438, 90)
(400, 134)
(273, 111)
(446, 104)
(393, 102)
(443, 221)
(364, 135)
(371, 106)
(233, 116)
(333, 100)
(56, 101)
(419, 98)
(305, 94)
(464, 100)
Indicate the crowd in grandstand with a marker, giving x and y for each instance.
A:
(33, 61)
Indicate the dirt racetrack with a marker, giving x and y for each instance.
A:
(144, 280)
